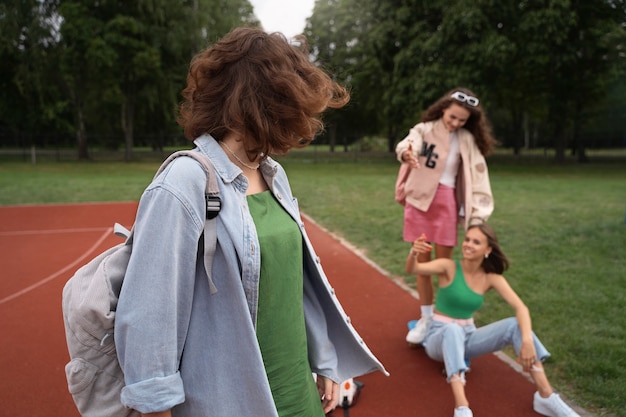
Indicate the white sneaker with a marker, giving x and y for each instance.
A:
(553, 406)
(418, 333)
(463, 412)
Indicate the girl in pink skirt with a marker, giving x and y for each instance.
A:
(448, 182)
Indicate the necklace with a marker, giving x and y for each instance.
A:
(253, 168)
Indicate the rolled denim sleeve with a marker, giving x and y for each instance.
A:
(155, 394)
(154, 309)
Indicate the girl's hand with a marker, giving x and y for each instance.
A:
(527, 355)
(329, 392)
(409, 158)
(421, 246)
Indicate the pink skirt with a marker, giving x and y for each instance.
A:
(439, 223)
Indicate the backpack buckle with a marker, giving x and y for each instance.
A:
(213, 206)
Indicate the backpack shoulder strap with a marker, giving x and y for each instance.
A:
(213, 207)
(212, 190)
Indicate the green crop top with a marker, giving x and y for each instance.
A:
(457, 300)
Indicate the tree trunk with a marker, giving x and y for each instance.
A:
(391, 138)
(559, 145)
(81, 134)
(79, 118)
(128, 114)
(519, 131)
(578, 145)
(332, 136)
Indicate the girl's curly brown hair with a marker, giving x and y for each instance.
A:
(260, 88)
(477, 124)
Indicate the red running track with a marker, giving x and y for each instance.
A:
(41, 246)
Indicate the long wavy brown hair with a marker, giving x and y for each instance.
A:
(477, 123)
(261, 88)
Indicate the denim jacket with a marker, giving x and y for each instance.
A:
(196, 353)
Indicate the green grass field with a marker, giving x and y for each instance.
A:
(563, 227)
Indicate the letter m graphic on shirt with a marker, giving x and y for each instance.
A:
(431, 156)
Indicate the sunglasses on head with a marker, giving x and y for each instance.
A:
(464, 98)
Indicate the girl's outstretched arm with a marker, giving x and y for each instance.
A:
(443, 267)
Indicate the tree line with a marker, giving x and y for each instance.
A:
(550, 73)
(114, 67)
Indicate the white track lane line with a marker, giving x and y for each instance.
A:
(77, 261)
(50, 232)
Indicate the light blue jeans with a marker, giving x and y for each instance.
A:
(453, 344)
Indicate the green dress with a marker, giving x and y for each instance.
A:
(280, 320)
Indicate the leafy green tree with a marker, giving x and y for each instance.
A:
(564, 55)
(541, 63)
(133, 56)
(356, 42)
(336, 31)
(82, 60)
(29, 104)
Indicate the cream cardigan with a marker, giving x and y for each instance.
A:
(430, 143)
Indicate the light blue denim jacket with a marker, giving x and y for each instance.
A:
(183, 348)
